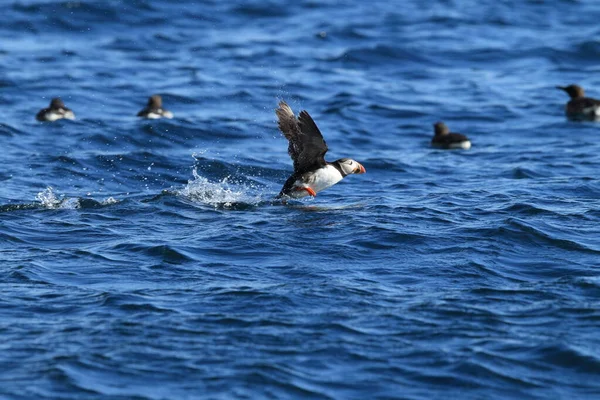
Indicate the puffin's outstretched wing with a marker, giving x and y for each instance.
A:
(288, 125)
(306, 145)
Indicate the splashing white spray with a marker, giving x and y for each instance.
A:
(216, 194)
(50, 200)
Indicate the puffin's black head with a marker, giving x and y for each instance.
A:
(57, 103)
(574, 91)
(155, 101)
(440, 129)
(349, 166)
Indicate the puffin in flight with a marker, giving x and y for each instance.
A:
(57, 110)
(580, 107)
(307, 150)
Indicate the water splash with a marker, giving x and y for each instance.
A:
(110, 201)
(50, 200)
(218, 194)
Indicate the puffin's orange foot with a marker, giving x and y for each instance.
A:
(309, 190)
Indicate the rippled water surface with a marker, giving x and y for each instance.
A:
(149, 259)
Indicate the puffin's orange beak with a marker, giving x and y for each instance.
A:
(360, 169)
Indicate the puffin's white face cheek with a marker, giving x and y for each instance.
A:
(357, 168)
(348, 167)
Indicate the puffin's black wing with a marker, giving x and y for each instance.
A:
(589, 104)
(41, 115)
(456, 137)
(583, 106)
(306, 145)
(449, 139)
(315, 146)
(288, 125)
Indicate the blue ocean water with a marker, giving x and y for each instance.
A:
(149, 260)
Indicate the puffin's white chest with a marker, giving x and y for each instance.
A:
(160, 113)
(317, 180)
(53, 115)
(465, 144)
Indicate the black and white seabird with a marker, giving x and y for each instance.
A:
(57, 110)
(154, 109)
(580, 107)
(444, 139)
(307, 149)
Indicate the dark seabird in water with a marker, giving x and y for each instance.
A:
(444, 139)
(307, 150)
(154, 109)
(57, 110)
(580, 107)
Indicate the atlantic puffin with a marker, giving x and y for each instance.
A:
(154, 109)
(307, 149)
(57, 110)
(580, 107)
(444, 139)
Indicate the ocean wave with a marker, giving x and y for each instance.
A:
(8, 131)
(547, 234)
(380, 53)
(163, 253)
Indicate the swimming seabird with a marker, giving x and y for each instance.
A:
(307, 149)
(444, 139)
(154, 109)
(580, 107)
(57, 110)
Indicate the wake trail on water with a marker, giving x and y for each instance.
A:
(225, 193)
(48, 199)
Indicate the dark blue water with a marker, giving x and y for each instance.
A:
(148, 260)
